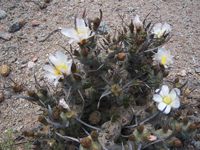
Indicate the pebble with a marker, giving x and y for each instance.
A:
(34, 59)
(130, 9)
(198, 70)
(13, 59)
(6, 36)
(7, 94)
(30, 64)
(182, 73)
(3, 14)
(35, 23)
(16, 25)
(103, 28)
(42, 5)
(117, 9)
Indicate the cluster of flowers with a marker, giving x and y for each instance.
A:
(79, 34)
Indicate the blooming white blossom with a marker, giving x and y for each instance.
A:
(63, 104)
(163, 56)
(160, 29)
(166, 99)
(79, 34)
(61, 66)
(137, 23)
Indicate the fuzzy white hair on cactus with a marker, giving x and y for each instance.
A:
(160, 29)
(61, 66)
(63, 104)
(163, 56)
(137, 23)
(79, 34)
(166, 99)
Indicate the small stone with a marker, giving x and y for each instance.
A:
(42, 5)
(177, 57)
(26, 105)
(130, 9)
(5, 70)
(30, 64)
(182, 73)
(34, 59)
(6, 36)
(16, 25)
(103, 28)
(3, 14)
(198, 70)
(117, 9)
(13, 59)
(7, 94)
(35, 23)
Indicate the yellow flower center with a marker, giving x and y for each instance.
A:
(80, 31)
(57, 72)
(62, 66)
(167, 100)
(161, 31)
(164, 58)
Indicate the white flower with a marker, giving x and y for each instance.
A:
(79, 34)
(63, 104)
(62, 66)
(166, 99)
(159, 29)
(137, 23)
(163, 56)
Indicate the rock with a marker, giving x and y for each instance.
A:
(103, 28)
(3, 14)
(130, 9)
(7, 94)
(198, 70)
(16, 25)
(42, 5)
(34, 59)
(30, 64)
(35, 23)
(117, 9)
(6, 36)
(13, 59)
(182, 73)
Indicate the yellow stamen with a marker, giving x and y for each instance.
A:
(167, 100)
(161, 32)
(164, 58)
(79, 31)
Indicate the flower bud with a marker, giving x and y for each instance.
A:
(84, 52)
(176, 80)
(125, 30)
(94, 135)
(30, 133)
(5, 70)
(108, 38)
(121, 56)
(1, 97)
(150, 108)
(178, 114)
(192, 127)
(132, 137)
(73, 67)
(131, 26)
(165, 73)
(140, 128)
(137, 23)
(86, 142)
(37, 134)
(190, 112)
(165, 128)
(56, 116)
(177, 143)
(178, 129)
(76, 53)
(114, 39)
(41, 119)
(96, 23)
(185, 120)
(76, 77)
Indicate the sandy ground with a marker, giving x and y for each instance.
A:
(24, 45)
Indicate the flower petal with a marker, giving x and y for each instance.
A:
(173, 94)
(167, 27)
(164, 91)
(50, 69)
(61, 57)
(157, 98)
(167, 110)
(53, 59)
(80, 23)
(57, 78)
(50, 76)
(161, 106)
(175, 104)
